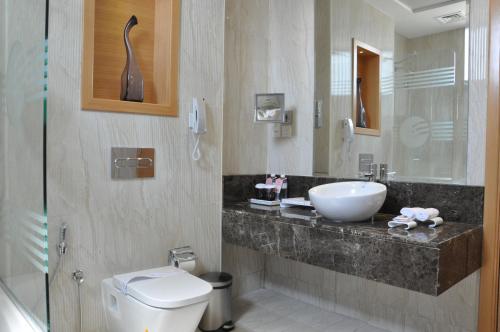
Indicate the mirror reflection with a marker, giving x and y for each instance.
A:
(398, 72)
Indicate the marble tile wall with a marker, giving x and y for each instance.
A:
(456, 203)
(120, 226)
(246, 70)
(322, 77)
(386, 307)
(478, 91)
(291, 71)
(270, 48)
(357, 19)
(383, 306)
(246, 266)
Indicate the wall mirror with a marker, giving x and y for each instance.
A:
(404, 83)
(384, 80)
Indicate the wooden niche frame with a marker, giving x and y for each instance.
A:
(156, 46)
(366, 62)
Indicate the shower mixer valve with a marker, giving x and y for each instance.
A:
(78, 276)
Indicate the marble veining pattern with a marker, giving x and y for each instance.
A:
(456, 203)
(291, 71)
(357, 19)
(246, 266)
(246, 55)
(122, 226)
(383, 306)
(260, 37)
(425, 260)
(478, 90)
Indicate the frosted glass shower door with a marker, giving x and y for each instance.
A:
(23, 221)
(430, 117)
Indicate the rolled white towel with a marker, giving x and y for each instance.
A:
(403, 218)
(410, 212)
(402, 221)
(427, 214)
(436, 222)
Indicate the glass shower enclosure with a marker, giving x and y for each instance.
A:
(431, 113)
(23, 208)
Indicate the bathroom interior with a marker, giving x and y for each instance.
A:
(249, 165)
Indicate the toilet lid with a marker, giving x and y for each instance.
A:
(174, 290)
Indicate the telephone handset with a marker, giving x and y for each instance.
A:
(348, 130)
(198, 117)
(198, 124)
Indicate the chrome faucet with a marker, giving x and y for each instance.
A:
(383, 172)
(372, 174)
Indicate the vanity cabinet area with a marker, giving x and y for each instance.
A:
(421, 85)
(425, 260)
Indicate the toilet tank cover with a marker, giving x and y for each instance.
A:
(166, 287)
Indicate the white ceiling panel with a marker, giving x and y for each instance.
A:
(417, 18)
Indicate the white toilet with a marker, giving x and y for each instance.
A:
(159, 300)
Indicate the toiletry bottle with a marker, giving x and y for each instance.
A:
(284, 187)
(269, 179)
(273, 176)
(278, 187)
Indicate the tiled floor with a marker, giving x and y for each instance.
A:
(268, 311)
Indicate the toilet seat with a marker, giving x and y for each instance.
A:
(171, 288)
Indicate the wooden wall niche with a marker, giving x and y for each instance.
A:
(366, 65)
(156, 45)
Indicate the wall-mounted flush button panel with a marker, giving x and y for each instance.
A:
(132, 163)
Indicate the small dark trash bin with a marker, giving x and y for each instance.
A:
(218, 315)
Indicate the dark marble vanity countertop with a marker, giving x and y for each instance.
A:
(423, 259)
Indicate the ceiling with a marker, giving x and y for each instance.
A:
(417, 18)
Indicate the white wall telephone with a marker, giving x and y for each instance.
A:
(198, 124)
(348, 130)
(198, 116)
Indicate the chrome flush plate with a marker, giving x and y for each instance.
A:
(132, 163)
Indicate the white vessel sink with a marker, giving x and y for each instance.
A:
(348, 201)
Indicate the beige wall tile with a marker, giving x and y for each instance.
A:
(384, 306)
(246, 58)
(269, 48)
(120, 226)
